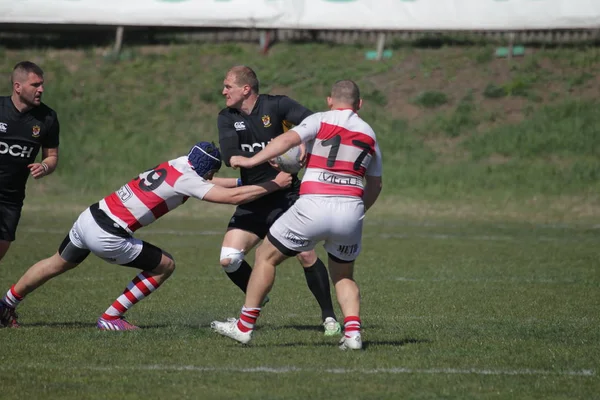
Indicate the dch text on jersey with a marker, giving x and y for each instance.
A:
(254, 147)
(16, 150)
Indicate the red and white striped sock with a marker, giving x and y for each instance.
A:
(248, 318)
(352, 326)
(139, 288)
(12, 298)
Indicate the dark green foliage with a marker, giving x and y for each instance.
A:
(430, 99)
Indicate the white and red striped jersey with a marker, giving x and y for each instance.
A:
(342, 149)
(154, 193)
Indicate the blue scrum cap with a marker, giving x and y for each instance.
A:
(205, 157)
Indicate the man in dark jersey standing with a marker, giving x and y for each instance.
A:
(246, 125)
(26, 125)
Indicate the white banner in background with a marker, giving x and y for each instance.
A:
(312, 14)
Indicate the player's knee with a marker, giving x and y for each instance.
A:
(231, 259)
(166, 266)
(170, 264)
(4, 245)
(340, 270)
(307, 258)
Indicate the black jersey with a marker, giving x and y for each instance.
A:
(21, 136)
(245, 135)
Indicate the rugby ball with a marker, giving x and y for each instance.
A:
(290, 161)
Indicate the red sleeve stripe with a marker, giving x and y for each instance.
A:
(328, 189)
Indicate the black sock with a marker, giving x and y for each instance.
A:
(241, 276)
(318, 283)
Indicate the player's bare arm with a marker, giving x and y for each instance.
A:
(276, 147)
(372, 190)
(47, 165)
(246, 194)
(225, 182)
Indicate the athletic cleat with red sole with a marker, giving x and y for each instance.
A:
(119, 324)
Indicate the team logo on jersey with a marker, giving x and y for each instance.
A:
(124, 193)
(266, 119)
(36, 131)
(336, 179)
(239, 126)
(3, 127)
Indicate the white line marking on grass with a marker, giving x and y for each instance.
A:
(469, 371)
(400, 222)
(491, 280)
(491, 238)
(507, 320)
(292, 369)
(153, 231)
(439, 236)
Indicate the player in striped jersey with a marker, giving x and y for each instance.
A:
(106, 229)
(342, 154)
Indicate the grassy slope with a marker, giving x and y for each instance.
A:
(456, 126)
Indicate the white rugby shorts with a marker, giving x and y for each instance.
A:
(86, 234)
(338, 221)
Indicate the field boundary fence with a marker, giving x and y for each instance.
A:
(381, 23)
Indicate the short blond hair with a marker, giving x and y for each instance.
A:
(245, 75)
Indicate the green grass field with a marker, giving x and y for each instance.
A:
(479, 272)
(449, 310)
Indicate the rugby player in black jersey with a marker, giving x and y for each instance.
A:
(26, 126)
(247, 123)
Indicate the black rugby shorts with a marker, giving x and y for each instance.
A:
(10, 214)
(258, 216)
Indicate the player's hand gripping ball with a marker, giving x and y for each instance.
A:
(291, 161)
